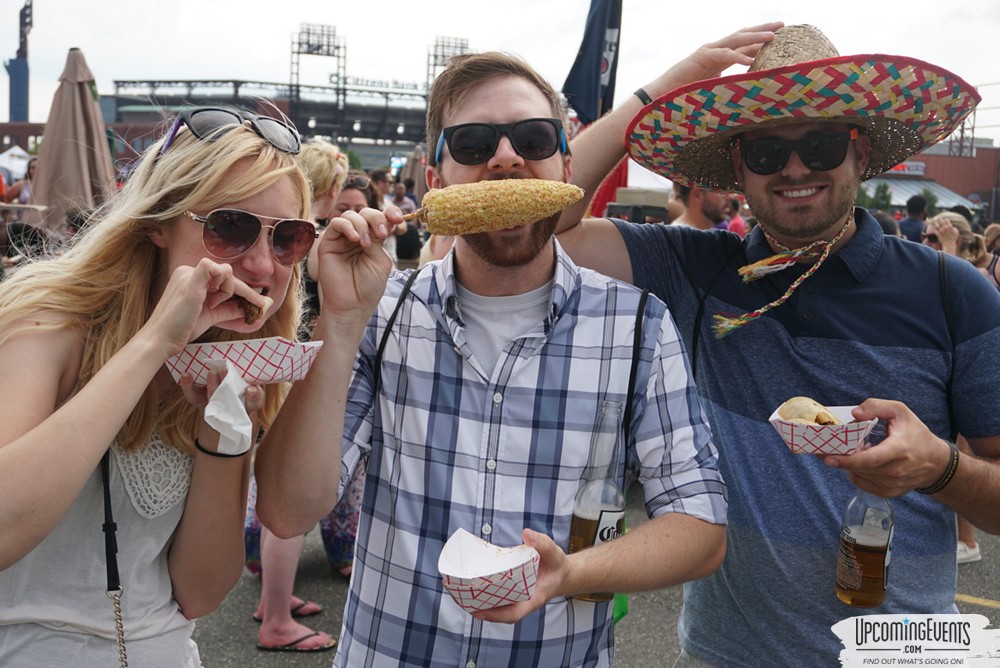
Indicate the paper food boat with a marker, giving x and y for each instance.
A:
(260, 361)
(481, 576)
(824, 439)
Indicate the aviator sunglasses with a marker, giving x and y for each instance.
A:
(475, 143)
(206, 123)
(229, 233)
(819, 151)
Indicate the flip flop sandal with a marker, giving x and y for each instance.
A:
(294, 645)
(295, 611)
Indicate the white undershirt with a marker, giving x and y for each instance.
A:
(493, 322)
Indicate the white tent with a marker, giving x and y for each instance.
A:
(15, 160)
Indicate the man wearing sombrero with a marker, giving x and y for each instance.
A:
(816, 302)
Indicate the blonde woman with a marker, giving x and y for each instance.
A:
(209, 221)
(951, 233)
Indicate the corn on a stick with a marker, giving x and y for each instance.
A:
(467, 208)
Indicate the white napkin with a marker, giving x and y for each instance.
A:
(227, 414)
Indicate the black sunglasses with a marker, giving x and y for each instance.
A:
(229, 233)
(206, 122)
(475, 143)
(821, 151)
(933, 238)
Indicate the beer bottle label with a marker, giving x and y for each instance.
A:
(609, 526)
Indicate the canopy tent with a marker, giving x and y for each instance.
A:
(15, 161)
(901, 190)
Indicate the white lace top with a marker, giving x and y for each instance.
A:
(53, 606)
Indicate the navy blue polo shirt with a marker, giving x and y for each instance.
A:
(869, 323)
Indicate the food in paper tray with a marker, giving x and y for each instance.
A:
(804, 409)
(481, 576)
(467, 208)
(259, 361)
(808, 427)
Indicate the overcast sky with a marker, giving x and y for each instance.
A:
(204, 39)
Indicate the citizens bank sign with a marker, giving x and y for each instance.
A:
(918, 640)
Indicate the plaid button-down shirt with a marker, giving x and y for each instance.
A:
(453, 447)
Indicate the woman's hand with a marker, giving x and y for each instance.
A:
(195, 299)
(948, 236)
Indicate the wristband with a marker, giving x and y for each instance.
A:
(643, 95)
(210, 453)
(948, 474)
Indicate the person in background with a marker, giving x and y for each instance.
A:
(407, 242)
(480, 412)
(410, 184)
(326, 167)
(851, 317)
(703, 208)
(991, 237)
(889, 224)
(916, 213)
(736, 224)
(175, 257)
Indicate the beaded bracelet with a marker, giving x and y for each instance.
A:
(643, 95)
(949, 473)
(211, 453)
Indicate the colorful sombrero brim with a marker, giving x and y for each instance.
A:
(905, 104)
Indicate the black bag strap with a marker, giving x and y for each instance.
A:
(702, 297)
(950, 321)
(109, 527)
(388, 328)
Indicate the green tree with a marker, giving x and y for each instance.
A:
(882, 199)
(932, 202)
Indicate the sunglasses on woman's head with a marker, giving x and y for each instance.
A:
(819, 151)
(359, 182)
(475, 143)
(208, 122)
(229, 233)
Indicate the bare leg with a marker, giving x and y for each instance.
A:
(279, 559)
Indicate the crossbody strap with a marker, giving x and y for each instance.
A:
(388, 328)
(702, 295)
(114, 590)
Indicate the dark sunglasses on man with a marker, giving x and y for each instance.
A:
(212, 122)
(229, 233)
(819, 151)
(475, 143)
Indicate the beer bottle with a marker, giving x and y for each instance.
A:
(599, 509)
(865, 551)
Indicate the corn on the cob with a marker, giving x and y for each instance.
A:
(467, 208)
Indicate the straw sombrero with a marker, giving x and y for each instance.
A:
(905, 104)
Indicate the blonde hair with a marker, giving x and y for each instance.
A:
(105, 283)
(971, 246)
(325, 166)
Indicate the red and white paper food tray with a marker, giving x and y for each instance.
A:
(827, 439)
(481, 576)
(260, 361)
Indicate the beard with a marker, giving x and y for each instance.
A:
(499, 251)
(806, 222)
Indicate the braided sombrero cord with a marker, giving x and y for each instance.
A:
(724, 325)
